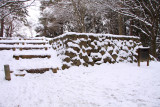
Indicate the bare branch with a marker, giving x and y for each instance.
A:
(17, 8)
(10, 2)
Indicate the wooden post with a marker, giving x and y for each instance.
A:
(138, 62)
(148, 60)
(54, 70)
(138, 57)
(148, 63)
(143, 55)
(7, 72)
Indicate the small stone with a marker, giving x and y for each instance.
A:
(114, 56)
(70, 54)
(85, 58)
(107, 59)
(85, 64)
(65, 66)
(67, 59)
(102, 52)
(76, 62)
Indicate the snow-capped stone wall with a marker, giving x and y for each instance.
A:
(86, 49)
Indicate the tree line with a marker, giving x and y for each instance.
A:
(12, 14)
(122, 17)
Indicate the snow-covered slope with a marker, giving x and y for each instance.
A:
(106, 85)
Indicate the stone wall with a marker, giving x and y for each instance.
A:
(86, 49)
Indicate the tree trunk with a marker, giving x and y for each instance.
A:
(131, 28)
(11, 29)
(2, 27)
(83, 28)
(120, 24)
(153, 47)
(7, 32)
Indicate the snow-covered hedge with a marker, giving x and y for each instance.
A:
(86, 49)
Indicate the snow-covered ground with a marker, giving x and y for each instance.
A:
(106, 85)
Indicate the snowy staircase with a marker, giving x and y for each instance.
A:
(30, 55)
(23, 44)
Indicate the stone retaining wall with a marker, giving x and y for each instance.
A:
(86, 49)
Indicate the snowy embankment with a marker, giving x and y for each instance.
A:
(106, 85)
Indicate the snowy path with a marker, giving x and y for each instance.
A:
(118, 85)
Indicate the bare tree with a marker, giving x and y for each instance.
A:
(11, 7)
(144, 12)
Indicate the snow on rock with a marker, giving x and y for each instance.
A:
(109, 48)
(98, 47)
(70, 44)
(96, 35)
(96, 55)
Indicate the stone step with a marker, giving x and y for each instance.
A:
(24, 43)
(37, 43)
(23, 48)
(10, 43)
(20, 75)
(33, 39)
(39, 70)
(1, 38)
(19, 39)
(30, 56)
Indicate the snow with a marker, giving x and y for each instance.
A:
(122, 53)
(144, 48)
(19, 43)
(114, 52)
(6, 56)
(96, 55)
(71, 50)
(124, 47)
(28, 46)
(109, 49)
(107, 85)
(22, 41)
(72, 44)
(106, 55)
(96, 35)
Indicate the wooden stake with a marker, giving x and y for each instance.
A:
(138, 58)
(54, 70)
(7, 72)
